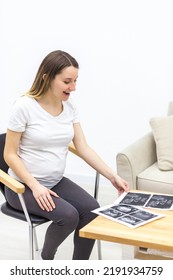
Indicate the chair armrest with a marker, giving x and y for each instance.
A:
(73, 150)
(17, 186)
(11, 183)
(135, 158)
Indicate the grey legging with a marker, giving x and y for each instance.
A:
(72, 212)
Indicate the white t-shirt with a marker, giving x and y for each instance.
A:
(45, 138)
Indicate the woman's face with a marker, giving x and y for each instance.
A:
(64, 83)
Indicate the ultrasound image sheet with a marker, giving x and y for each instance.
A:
(140, 199)
(128, 215)
(130, 208)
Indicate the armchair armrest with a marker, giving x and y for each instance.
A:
(135, 158)
(11, 183)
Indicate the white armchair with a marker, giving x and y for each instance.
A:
(138, 165)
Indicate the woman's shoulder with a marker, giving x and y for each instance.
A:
(23, 101)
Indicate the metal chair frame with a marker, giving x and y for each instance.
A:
(19, 189)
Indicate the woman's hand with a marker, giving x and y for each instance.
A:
(120, 184)
(43, 197)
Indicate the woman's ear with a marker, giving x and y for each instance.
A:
(44, 76)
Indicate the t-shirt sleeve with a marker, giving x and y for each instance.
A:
(18, 116)
(76, 118)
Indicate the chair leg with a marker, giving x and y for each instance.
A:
(96, 191)
(35, 238)
(31, 245)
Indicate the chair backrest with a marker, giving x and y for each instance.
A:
(170, 108)
(3, 164)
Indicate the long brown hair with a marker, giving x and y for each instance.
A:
(51, 65)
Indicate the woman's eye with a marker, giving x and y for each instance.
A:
(68, 82)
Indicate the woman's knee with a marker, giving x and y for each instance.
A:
(69, 218)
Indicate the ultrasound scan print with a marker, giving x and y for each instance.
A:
(136, 199)
(160, 201)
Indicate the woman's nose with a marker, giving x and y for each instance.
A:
(73, 87)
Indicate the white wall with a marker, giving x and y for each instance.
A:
(124, 48)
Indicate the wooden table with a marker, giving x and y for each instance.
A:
(157, 234)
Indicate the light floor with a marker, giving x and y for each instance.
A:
(14, 236)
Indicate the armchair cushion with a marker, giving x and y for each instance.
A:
(162, 128)
(155, 180)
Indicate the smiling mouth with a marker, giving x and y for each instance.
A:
(66, 93)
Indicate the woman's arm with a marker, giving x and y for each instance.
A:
(41, 193)
(94, 160)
